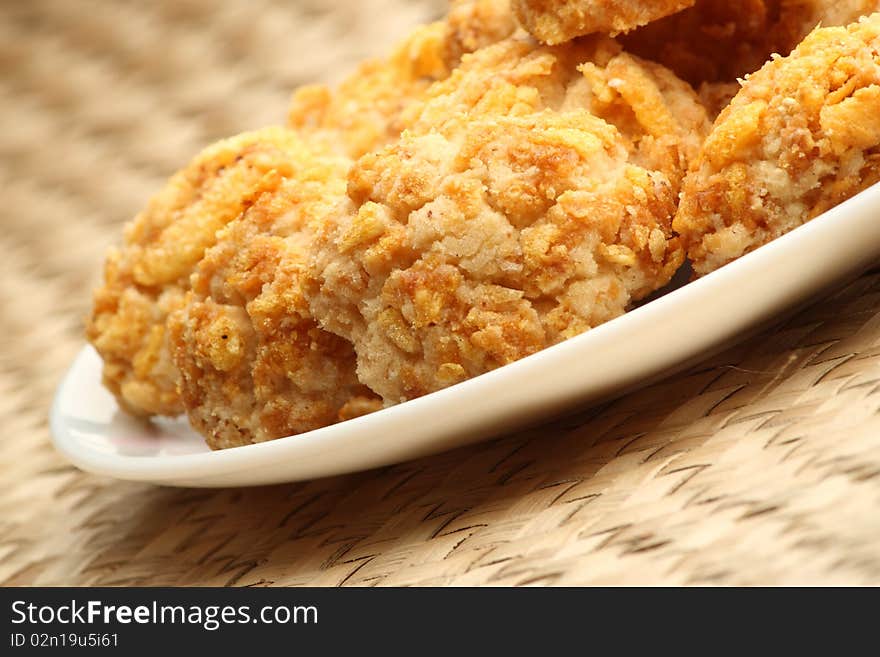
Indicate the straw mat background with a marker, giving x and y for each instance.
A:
(760, 466)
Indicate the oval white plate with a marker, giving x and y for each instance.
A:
(94, 434)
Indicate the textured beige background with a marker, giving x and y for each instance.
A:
(760, 466)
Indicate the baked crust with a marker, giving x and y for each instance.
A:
(529, 200)
(801, 136)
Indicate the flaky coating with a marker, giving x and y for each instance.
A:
(254, 364)
(275, 373)
(648, 104)
(508, 217)
(720, 40)
(801, 136)
(147, 277)
(363, 112)
(558, 21)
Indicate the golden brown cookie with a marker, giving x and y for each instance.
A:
(801, 136)
(254, 364)
(529, 200)
(147, 277)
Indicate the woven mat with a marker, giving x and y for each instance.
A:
(761, 466)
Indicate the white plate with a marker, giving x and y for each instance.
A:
(93, 433)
